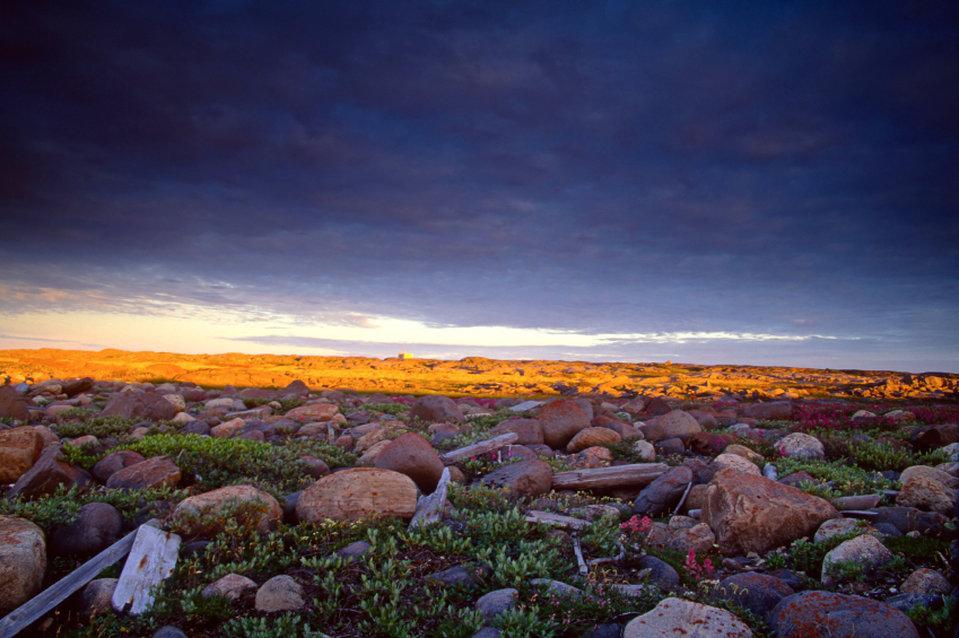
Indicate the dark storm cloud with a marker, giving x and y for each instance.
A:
(618, 167)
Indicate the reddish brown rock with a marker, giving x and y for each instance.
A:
(526, 478)
(12, 405)
(358, 493)
(313, 412)
(139, 404)
(769, 410)
(436, 408)
(623, 429)
(561, 420)
(674, 424)
(19, 450)
(412, 455)
(23, 561)
(50, 471)
(529, 431)
(592, 437)
(207, 513)
(753, 514)
(115, 462)
(158, 471)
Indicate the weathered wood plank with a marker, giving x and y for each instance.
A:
(632, 475)
(430, 508)
(152, 558)
(481, 447)
(556, 520)
(44, 602)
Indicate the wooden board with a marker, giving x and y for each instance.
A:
(482, 447)
(430, 508)
(152, 559)
(555, 520)
(44, 602)
(636, 474)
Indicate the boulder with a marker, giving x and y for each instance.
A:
(12, 405)
(735, 462)
(590, 437)
(926, 471)
(926, 581)
(823, 614)
(624, 430)
(412, 455)
(561, 419)
(663, 492)
(96, 527)
(231, 586)
(759, 593)
(679, 617)
(754, 514)
(228, 429)
(529, 431)
(910, 519)
(23, 561)
(19, 450)
(865, 551)
(140, 404)
(50, 471)
(922, 492)
(311, 412)
(358, 493)
(840, 527)
(770, 410)
(206, 513)
(661, 573)
(280, 593)
(800, 446)
(675, 424)
(114, 462)
(525, 478)
(158, 471)
(436, 409)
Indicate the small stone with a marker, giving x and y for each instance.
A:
(525, 478)
(644, 451)
(158, 471)
(590, 437)
(926, 581)
(231, 586)
(800, 446)
(95, 598)
(496, 602)
(865, 551)
(280, 593)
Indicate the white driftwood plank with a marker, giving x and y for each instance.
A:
(430, 508)
(609, 477)
(152, 559)
(44, 602)
(482, 447)
(556, 520)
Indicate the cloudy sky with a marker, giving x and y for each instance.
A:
(773, 183)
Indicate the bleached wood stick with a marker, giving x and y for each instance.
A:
(44, 602)
(578, 550)
(633, 475)
(682, 500)
(556, 520)
(481, 447)
(430, 508)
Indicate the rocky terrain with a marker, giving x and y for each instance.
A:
(474, 376)
(695, 504)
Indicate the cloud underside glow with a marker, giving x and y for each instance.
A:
(193, 328)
